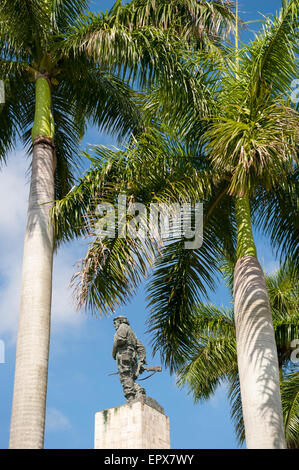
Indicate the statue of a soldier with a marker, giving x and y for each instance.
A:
(129, 354)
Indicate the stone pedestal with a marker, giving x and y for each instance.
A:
(140, 424)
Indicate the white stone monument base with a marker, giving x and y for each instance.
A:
(140, 424)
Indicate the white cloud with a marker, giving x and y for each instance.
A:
(57, 421)
(14, 189)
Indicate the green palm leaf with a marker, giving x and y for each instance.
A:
(236, 412)
(272, 61)
(290, 405)
(275, 213)
(212, 356)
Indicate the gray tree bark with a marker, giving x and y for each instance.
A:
(31, 372)
(257, 358)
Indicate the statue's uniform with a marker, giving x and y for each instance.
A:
(128, 351)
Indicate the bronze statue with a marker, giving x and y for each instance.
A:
(130, 356)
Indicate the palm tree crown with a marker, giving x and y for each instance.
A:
(32, 35)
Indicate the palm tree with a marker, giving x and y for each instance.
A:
(252, 139)
(243, 133)
(213, 358)
(54, 84)
(250, 135)
(55, 93)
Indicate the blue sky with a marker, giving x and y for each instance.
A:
(80, 351)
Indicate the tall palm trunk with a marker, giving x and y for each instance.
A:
(31, 373)
(256, 347)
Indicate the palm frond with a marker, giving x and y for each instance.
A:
(213, 320)
(70, 214)
(114, 266)
(104, 99)
(283, 288)
(212, 357)
(227, 268)
(65, 12)
(290, 405)
(187, 104)
(256, 150)
(272, 60)
(236, 411)
(18, 95)
(139, 55)
(25, 26)
(111, 272)
(181, 277)
(275, 214)
(195, 17)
